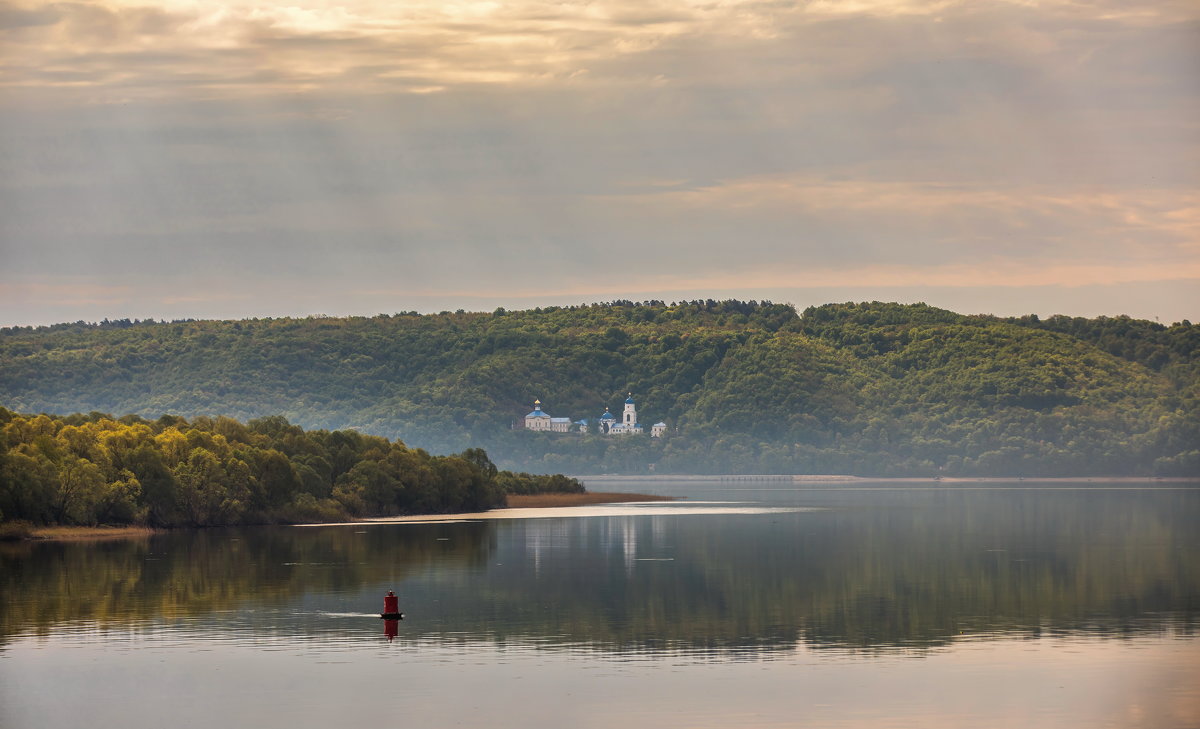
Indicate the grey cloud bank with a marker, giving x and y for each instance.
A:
(241, 160)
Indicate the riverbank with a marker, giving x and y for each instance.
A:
(515, 501)
(842, 479)
(90, 533)
(551, 501)
(532, 506)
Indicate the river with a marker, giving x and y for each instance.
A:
(748, 604)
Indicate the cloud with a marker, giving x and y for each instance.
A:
(14, 16)
(451, 145)
(317, 45)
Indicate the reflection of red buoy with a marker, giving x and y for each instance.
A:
(391, 607)
(390, 628)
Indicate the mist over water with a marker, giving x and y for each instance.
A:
(901, 605)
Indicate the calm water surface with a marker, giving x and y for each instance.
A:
(746, 605)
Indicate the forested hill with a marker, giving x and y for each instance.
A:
(870, 389)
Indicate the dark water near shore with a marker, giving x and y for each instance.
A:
(745, 605)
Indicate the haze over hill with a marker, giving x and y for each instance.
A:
(870, 389)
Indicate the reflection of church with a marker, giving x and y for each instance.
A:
(606, 424)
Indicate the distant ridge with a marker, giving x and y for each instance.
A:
(873, 389)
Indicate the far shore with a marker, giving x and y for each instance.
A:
(519, 506)
(591, 498)
(550, 501)
(835, 478)
(515, 501)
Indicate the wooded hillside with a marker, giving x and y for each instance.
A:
(870, 389)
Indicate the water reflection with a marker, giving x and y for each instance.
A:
(191, 574)
(898, 570)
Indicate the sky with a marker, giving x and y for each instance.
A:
(188, 159)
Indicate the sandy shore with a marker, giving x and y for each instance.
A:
(515, 501)
(518, 507)
(546, 501)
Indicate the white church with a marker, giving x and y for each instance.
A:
(539, 420)
(606, 424)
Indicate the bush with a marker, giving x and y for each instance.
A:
(528, 483)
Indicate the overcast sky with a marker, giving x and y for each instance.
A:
(236, 159)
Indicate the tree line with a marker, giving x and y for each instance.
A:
(91, 469)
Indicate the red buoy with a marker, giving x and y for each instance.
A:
(391, 607)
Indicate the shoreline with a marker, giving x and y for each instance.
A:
(595, 498)
(515, 501)
(835, 478)
(87, 533)
(587, 498)
(533, 503)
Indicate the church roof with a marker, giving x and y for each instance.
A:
(607, 415)
(629, 400)
(660, 423)
(537, 414)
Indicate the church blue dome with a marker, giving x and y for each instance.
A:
(537, 414)
(607, 415)
(629, 400)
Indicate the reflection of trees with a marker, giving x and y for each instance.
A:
(923, 570)
(193, 572)
(876, 570)
(982, 563)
